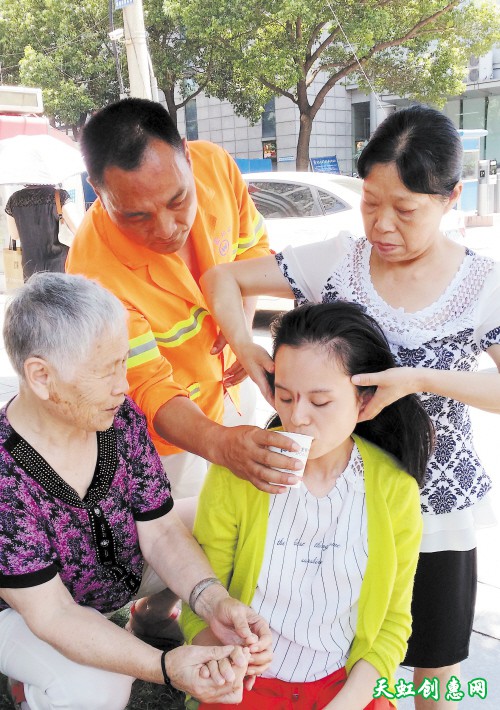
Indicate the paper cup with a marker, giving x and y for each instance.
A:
(304, 442)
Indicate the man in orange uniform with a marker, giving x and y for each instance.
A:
(168, 211)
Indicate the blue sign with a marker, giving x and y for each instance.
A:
(328, 164)
(286, 159)
(254, 165)
(120, 4)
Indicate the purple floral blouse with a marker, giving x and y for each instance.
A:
(47, 529)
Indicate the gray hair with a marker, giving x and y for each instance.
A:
(59, 317)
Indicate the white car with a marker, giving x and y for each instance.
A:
(301, 208)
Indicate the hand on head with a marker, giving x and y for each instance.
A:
(392, 384)
(258, 365)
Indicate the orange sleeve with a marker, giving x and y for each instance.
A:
(149, 374)
(252, 239)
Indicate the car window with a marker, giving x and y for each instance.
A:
(283, 199)
(273, 206)
(331, 203)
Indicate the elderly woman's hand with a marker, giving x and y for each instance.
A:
(209, 673)
(233, 622)
(391, 385)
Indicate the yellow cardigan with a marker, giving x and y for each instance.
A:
(231, 526)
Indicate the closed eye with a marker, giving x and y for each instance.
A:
(177, 205)
(406, 212)
(137, 217)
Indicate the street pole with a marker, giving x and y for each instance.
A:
(137, 50)
(114, 47)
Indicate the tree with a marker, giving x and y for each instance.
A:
(301, 48)
(181, 64)
(61, 46)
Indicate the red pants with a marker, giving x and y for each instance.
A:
(274, 694)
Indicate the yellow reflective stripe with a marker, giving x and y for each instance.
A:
(245, 243)
(183, 330)
(194, 390)
(142, 349)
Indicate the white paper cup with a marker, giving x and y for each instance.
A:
(304, 442)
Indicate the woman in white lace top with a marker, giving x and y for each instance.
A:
(439, 306)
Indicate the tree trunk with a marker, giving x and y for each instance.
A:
(303, 142)
(172, 108)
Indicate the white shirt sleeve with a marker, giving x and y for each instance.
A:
(309, 266)
(487, 321)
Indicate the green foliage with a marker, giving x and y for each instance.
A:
(301, 48)
(247, 51)
(63, 47)
(179, 61)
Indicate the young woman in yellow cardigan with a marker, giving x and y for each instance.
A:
(330, 564)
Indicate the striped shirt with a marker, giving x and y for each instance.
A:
(314, 562)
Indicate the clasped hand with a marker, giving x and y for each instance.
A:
(209, 673)
(235, 623)
(218, 673)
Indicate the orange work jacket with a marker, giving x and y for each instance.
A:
(171, 331)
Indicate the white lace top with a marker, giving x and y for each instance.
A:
(450, 334)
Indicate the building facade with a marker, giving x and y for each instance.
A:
(275, 135)
(345, 121)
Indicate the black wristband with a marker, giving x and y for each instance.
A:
(166, 679)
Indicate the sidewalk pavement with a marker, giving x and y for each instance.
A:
(484, 659)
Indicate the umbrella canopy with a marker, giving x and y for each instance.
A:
(37, 160)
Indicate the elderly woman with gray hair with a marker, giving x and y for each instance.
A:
(86, 519)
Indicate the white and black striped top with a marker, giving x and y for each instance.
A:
(309, 585)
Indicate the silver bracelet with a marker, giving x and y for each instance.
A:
(199, 588)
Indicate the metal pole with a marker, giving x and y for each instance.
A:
(482, 188)
(137, 50)
(154, 83)
(115, 51)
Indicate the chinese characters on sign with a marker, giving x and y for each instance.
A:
(328, 164)
(430, 690)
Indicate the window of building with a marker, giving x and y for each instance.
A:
(360, 118)
(191, 120)
(453, 110)
(269, 121)
(493, 126)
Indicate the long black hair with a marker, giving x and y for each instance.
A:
(356, 341)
